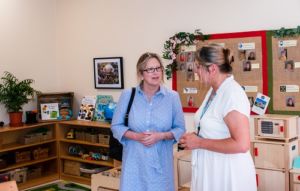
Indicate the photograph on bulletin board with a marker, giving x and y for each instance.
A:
(249, 67)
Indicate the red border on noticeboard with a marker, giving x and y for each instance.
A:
(261, 34)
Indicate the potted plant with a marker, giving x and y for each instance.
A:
(14, 94)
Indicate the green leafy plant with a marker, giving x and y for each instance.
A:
(14, 93)
(283, 32)
(172, 47)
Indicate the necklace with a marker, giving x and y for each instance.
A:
(210, 99)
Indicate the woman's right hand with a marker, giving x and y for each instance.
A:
(189, 141)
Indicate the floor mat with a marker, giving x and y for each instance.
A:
(61, 186)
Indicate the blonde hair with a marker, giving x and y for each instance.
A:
(143, 60)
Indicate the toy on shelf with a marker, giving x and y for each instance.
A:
(71, 134)
(109, 111)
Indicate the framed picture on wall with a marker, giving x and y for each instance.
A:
(108, 73)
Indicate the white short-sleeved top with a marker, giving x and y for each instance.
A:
(229, 96)
(214, 171)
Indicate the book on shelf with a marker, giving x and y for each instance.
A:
(49, 111)
(64, 100)
(87, 108)
(102, 101)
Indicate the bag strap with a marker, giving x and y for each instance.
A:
(129, 107)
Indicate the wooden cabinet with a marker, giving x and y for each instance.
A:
(270, 180)
(31, 149)
(275, 155)
(77, 141)
(275, 146)
(295, 179)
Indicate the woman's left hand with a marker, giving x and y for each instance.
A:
(152, 138)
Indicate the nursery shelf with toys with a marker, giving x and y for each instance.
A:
(43, 152)
(28, 154)
(83, 149)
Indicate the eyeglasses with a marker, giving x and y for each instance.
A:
(152, 70)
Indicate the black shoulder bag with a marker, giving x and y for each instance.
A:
(115, 147)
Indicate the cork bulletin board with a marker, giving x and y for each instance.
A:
(284, 74)
(249, 67)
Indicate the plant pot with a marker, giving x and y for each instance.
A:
(15, 119)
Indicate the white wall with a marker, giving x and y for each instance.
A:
(27, 44)
(86, 29)
(99, 28)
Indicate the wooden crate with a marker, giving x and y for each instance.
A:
(103, 139)
(271, 180)
(40, 153)
(22, 156)
(276, 127)
(274, 155)
(64, 100)
(72, 167)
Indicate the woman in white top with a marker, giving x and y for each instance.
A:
(220, 159)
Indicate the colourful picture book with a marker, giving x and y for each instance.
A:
(49, 111)
(87, 108)
(101, 103)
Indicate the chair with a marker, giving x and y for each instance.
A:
(9, 186)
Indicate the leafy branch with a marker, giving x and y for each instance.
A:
(173, 44)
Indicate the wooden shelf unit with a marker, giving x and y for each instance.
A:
(10, 143)
(58, 150)
(63, 128)
(38, 181)
(84, 143)
(78, 179)
(100, 163)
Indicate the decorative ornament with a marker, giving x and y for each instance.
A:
(172, 47)
(282, 32)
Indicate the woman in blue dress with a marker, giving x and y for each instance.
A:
(155, 123)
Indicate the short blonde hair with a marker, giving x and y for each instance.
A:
(143, 60)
